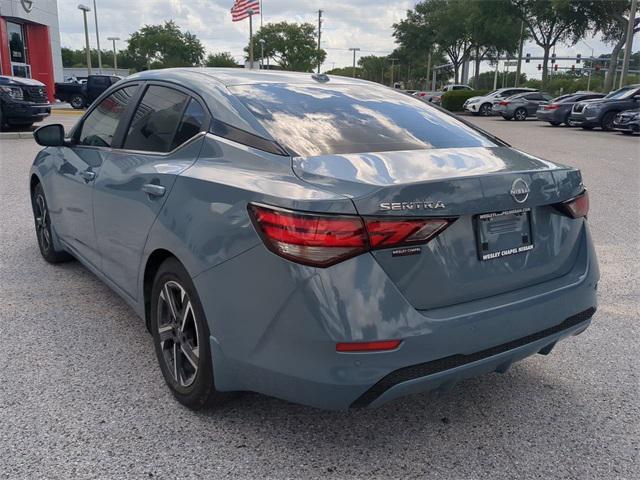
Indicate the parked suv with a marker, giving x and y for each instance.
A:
(79, 94)
(558, 110)
(482, 105)
(520, 106)
(602, 113)
(23, 101)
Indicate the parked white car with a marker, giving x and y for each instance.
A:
(482, 105)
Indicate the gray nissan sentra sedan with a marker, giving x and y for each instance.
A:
(319, 239)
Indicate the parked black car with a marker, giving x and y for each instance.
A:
(23, 101)
(80, 95)
(601, 113)
(558, 110)
(628, 121)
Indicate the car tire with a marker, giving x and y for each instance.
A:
(77, 102)
(555, 124)
(607, 121)
(520, 114)
(485, 110)
(566, 119)
(181, 338)
(44, 232)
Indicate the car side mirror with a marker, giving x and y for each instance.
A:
(50, 136)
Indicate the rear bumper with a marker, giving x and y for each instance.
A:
(550, 115)
(282, 342)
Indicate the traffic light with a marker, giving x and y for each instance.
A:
(527, 58)
(553, 58)
(578, 58)
(539, 67)
(555, 67)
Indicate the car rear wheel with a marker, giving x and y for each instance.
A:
(44, 232)
(607, 121)
(77, 102)
(520, 114)
(181, 337)
(485, 110)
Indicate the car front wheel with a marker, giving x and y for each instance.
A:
(181, 337)
(485, 110)
(607, 121)
(44, 232)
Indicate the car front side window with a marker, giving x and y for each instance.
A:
(99, 127)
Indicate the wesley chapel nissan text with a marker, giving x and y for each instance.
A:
(320, 239)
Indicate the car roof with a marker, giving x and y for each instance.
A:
(240, 76)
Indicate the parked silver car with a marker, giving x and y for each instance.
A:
(520, 106)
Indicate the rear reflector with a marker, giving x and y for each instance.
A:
(576, 207)
(379, 346)
(322, 240)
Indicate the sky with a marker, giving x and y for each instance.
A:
(366, 24)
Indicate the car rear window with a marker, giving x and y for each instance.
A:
(340, 119)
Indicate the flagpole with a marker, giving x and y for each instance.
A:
(250, 12)
(260, 13)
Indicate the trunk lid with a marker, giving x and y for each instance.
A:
(463, 183)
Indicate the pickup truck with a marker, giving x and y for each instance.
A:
(80, 95)
(23, 101)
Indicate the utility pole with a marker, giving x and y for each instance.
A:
(629, 44)
(319, 37)
(495, 75)
(428, 68)
(86, 9)
(95, 13)
(115, 55)
(520, 54)
(354, 50)
(393, 62)
(250, 12)
(262, 42)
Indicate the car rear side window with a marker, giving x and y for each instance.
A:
(100, 125)
(191, 123)
(155, 122)
(340, 119)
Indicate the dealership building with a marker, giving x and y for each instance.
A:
(30, 41)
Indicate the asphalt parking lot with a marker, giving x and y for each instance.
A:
(81, 395)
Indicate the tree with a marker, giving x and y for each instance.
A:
(221, 59)
(550, 22)
(292, 45)
(610, 17)
(162, 46)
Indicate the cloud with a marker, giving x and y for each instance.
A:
(366, 24)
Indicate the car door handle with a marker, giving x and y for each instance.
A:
(153, 189)
(88, 175)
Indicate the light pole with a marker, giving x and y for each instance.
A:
(262, 42)
(86, 9)
(95, 13)
(629, 44)
(115, 56)
(590, 66)
(393, 62)
(251, 12)
(354, 50)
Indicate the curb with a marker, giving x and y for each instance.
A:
(15, 135)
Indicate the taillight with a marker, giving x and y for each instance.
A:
(504, 104)
(322, 240)
(551, 107)
(576, 207)
(376, 346)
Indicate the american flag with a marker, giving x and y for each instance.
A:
(240, 9)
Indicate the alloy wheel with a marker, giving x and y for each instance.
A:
(42, 222)
(485, 110)
(520, 114)
(178, 334)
